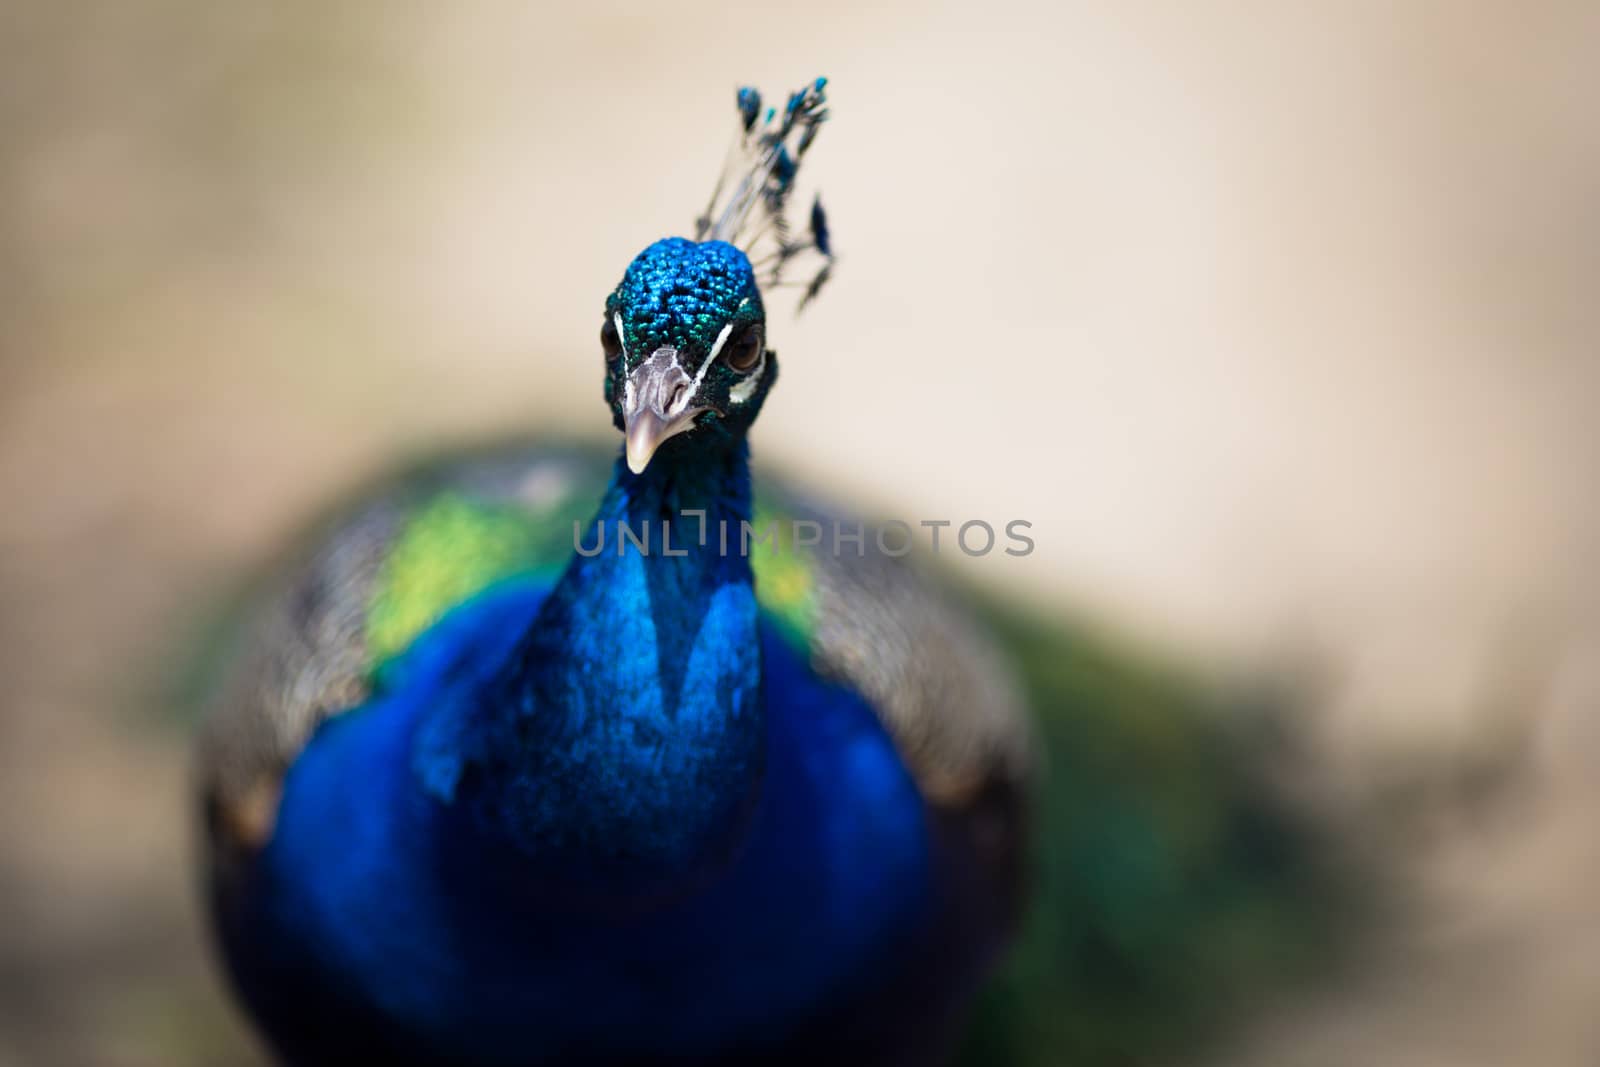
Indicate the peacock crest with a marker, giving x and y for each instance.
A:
(749, 204)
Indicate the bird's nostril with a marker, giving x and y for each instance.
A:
(675, 398)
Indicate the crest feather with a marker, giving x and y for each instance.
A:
(749, 204)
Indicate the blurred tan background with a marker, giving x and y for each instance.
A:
(1279, 322)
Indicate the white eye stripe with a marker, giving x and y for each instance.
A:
(716, 348)
(747, 387)
(627, 379)
(622, 338)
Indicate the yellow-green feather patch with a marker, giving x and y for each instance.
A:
(785, 588)
(456, 546)
(450, 550)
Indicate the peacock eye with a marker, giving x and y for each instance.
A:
(610, 340)
(745, 350)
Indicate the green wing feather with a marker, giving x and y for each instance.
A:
(1173, 884)
(450, 549)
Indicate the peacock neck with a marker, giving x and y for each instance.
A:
(631, 719)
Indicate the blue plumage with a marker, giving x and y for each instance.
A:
(617, 815)
(623, 744)
(467, 949)
(483, 797)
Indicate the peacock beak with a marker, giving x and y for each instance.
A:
(657, 405)
(646, 431)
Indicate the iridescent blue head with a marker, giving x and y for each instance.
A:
(685, 345)
(687, 363)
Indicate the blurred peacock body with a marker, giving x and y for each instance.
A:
(504, 779)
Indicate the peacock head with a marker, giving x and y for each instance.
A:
(685, 346)
(685, 331)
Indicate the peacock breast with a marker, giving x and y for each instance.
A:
(373, 887)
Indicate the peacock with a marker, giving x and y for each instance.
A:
(552, 753)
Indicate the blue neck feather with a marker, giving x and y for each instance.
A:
(623, 796)
(623, 747)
